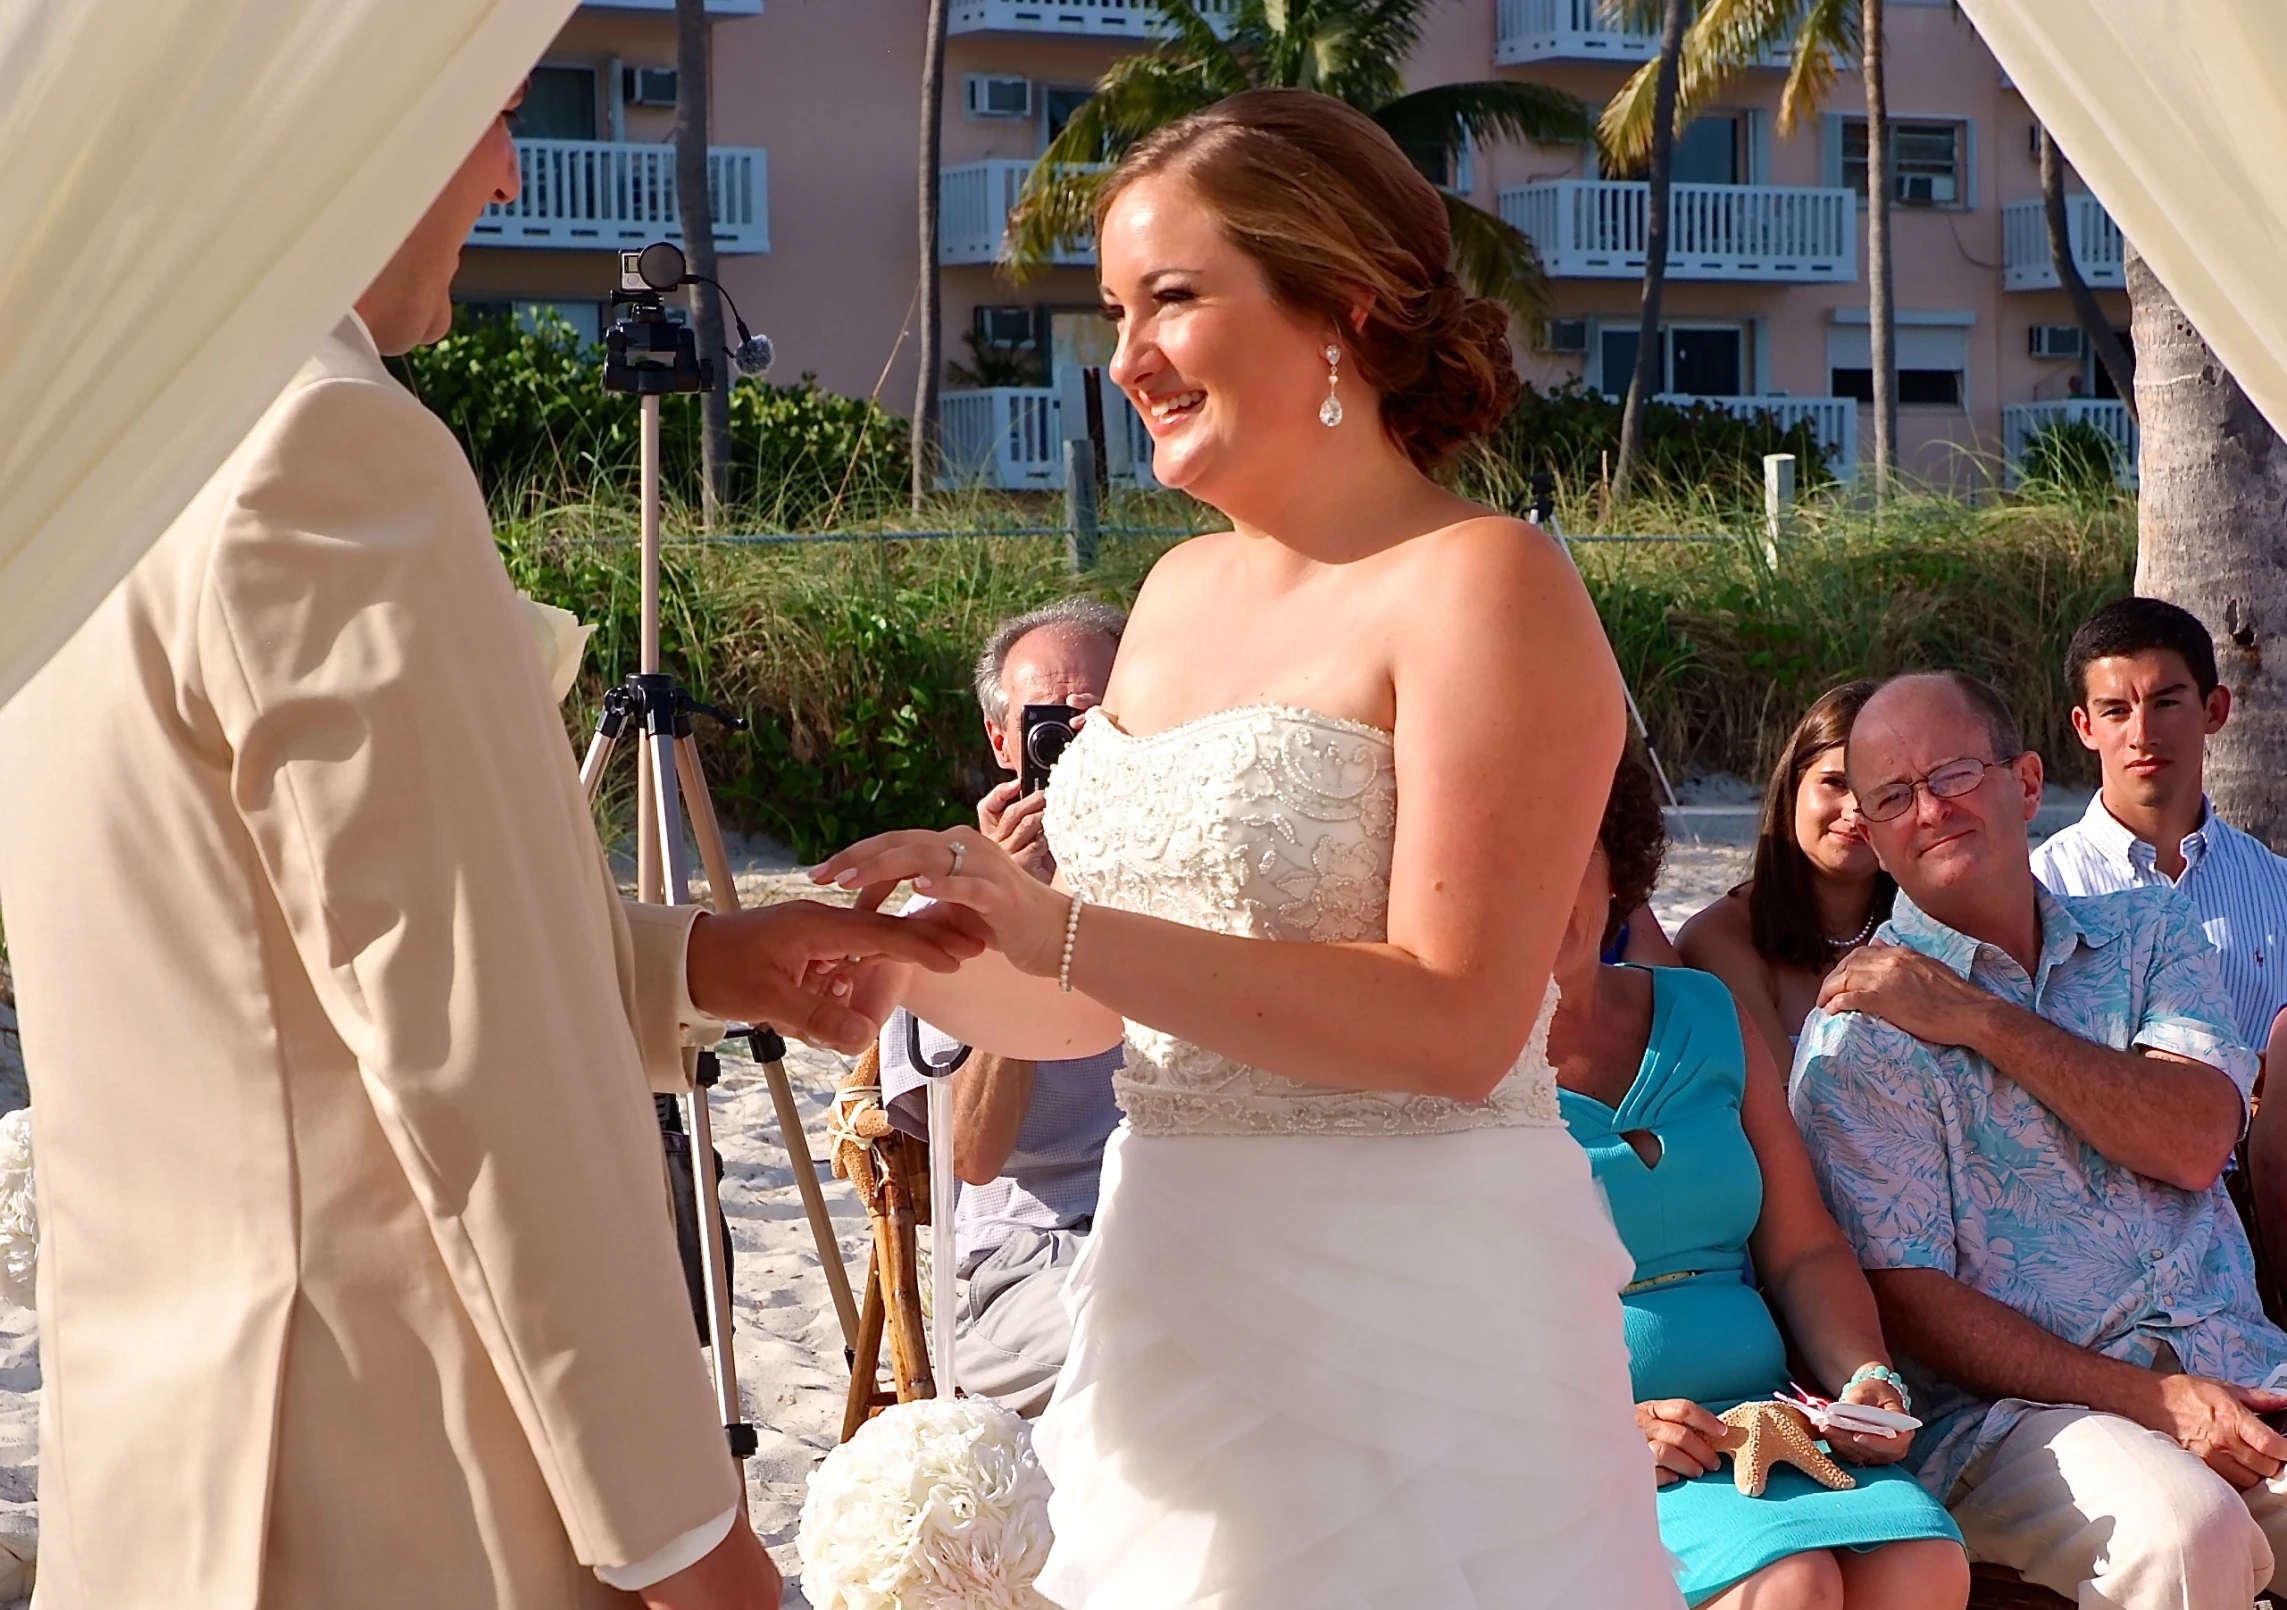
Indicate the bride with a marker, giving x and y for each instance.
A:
(1347, 1334)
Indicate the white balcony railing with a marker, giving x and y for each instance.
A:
(1011, 438)
(2021, 422)
(1580, 30)
(1102, 19)
(2097, 248)
(601, 195)
(1774, 234)
(974, 202)
(1565, 30)
(1833, 421)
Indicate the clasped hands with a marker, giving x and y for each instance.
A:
(821, 973)
(1682, 1435)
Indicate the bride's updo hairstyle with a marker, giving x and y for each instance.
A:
(1336, 217)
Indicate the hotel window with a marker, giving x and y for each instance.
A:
(1932, 362)
(1929, 162)
(559, 104)
(1696, 360)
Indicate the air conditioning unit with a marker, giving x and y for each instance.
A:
(2057, 341)
(1017, 327)
(1564, 335)
(648, 86)
(1919, 189)
(995, 95)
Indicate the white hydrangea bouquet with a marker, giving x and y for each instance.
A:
(935, 1505)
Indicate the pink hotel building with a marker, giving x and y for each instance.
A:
(815, 109)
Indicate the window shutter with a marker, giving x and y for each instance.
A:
(1830, 150)
(1969, 165)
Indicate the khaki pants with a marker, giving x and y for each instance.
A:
(1012, 1331)
(2115, 1517)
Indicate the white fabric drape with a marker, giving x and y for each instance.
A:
(2175, 113)
(193, 192)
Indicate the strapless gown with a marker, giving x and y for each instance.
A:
(1332, 1349)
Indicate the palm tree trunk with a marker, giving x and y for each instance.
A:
(1658, 175)
(696, 208)
(2211, 535)
(2096, 329)
(1881, 314)
(932, 312)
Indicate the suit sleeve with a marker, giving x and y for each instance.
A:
(406, 784)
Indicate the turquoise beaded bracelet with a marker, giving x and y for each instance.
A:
(1883, 1372)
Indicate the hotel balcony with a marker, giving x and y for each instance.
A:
(1011, 439)
(1078, 19)
(602, 195)
(1578, 30)
(974, 202)
(1768, 234)
(2097, 248)
(2022, 422)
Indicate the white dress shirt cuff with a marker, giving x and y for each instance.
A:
(698, 1028)
(680, 1555)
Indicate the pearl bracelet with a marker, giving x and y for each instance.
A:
(1071, 935)
(1883, 1372)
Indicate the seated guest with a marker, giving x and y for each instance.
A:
(1028, 1137)
(1684, 1117)
(1817, 893)
(2146, 698)
(2020, 1106)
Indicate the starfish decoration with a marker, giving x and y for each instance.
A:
(1761, 1435)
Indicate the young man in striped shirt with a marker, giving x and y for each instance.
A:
(2146, 698)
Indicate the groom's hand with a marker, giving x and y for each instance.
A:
(792, 966)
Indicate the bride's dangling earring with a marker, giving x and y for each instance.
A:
(1330, 411)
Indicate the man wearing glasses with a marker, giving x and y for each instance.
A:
(2020, 1107)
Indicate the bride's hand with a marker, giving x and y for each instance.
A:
(1024, 917)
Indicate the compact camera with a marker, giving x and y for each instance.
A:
(1043, 732)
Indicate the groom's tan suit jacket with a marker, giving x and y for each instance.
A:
(357, 1284)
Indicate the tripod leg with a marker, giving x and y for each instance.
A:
(649, 885)
(713, 856)
(592, 765)
(708, 831)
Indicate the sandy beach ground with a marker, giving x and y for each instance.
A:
(789, 1344)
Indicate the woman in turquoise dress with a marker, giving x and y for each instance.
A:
(1685, 1121)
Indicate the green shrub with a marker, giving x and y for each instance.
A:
(2071, 458)
(1697, 451)
(528, 403)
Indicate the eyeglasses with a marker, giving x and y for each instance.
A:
(1949, 779)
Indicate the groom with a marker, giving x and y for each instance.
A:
(357, 1281)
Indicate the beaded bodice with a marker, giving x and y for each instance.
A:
(1274, 823)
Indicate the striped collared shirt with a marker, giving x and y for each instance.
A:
(2238, 887)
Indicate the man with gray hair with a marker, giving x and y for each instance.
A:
(1028, 1137)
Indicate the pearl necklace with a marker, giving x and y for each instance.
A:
(1873, 921)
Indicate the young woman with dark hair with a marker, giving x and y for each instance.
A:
(1816, 894)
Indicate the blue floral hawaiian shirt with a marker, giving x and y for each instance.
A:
(1932, 1159)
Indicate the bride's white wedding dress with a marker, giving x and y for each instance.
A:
(1333, 1349)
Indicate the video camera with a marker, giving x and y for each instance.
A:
(649, 354)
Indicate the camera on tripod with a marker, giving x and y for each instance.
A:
(649, 354)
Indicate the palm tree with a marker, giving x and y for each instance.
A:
(1729, 36)
(2096, 329)
(1658, 173)
(932, 305)
(696, 208)
(2211, 530)
(1353, 50)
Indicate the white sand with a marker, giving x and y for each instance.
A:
(789, 1343)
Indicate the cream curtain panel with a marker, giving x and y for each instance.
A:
(2175, 113)
(193, 193)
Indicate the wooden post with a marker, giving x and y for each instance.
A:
(1778, 503)
(1080, 505)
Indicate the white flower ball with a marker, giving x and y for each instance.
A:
(931, 1506)
(19, 1219)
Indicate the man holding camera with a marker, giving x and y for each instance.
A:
(358, 1283)
(1028, 1137)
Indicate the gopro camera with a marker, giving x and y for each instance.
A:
(1043, 733)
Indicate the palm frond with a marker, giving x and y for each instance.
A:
(1726, 37)
(1057, 211)
(1194, 35)
(1433, 123)
(1494, 258)
(1828, 31)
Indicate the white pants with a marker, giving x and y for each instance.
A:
(2115, 1517)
